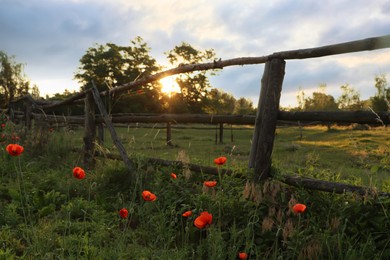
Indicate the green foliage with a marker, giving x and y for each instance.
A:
(380, 102)
(12, 80)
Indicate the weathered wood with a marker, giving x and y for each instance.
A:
(114, 137)
(169, 134)
(329, 186)
(221, 133)
(89, 132)
(268, 112)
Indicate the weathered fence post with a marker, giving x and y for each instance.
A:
(27, 114)
(169, 134)
(114, 136)
(221, 133)
(266, 117)
(89, 131)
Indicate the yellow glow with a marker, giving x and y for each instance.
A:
(169, 86)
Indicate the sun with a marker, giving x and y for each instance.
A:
(169, 86)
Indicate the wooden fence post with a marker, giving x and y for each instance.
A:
(114, 136)
(89, 131)
(169, 134)
(266, 117)
(221, 133)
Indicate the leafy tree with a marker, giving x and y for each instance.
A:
(13, 82)
(194, 86)
(349, 99)
(320, 101)
(111, 65)
(219, 102)
(380, 102)
(244, 106)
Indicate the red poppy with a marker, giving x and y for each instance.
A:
(123, 213)
(78, 173)
(14, 149)
(148, 196)
(203, 220)
(2, 125)
(187, 214)
(210, 184)
(299, 208)
(220, 160)
(173, 176)
(242, 255)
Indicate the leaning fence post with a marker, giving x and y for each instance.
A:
(266, 118)
(89, 131)
(111, 129)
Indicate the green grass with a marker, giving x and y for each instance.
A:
(46, 213)
(342, 154)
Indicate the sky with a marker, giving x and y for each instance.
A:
(50, 36)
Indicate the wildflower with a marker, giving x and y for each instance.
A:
(242, 255)
(2, 126)
(299, 208)
(123, 213)
(173, 176)
(78, 173)
(14, 149)
(187, 214)
(148, 196)
(203, 220)
(220, 160)
(210, 184)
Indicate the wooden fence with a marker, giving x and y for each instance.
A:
(265, 120)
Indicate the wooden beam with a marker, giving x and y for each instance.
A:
(271, 89)
(89, 132)
(114, 137)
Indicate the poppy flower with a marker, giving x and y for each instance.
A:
(187, 214)
(242, 255)
(220, 160)
(2, 125)
(299, 208)
(14, 149)
(203, 220)
(173, 176)
(210, 184)
(123, 213)
(78, 173)
(148, 196)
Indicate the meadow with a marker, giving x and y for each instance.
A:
(47, 213)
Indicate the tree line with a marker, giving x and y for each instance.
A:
(110, 65)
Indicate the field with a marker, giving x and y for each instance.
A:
(47, 213)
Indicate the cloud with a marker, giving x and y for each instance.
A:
(50, 36)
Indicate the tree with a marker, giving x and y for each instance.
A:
(111, 65)
(349, 99)
(380, 102)
(320, 101)
(13, 82)
(194, 86)
(219, 102)
(244, 106)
